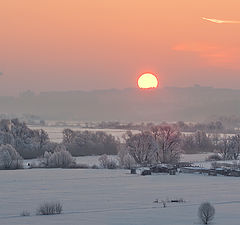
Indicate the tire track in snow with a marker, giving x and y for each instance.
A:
(125, 209)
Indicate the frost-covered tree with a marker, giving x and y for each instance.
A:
(199, 142)
(126, 161)
(235, 146)
(206, 212)
(168, 143)
(6, 138)
(41, 138)
(68, 136)
(9, 158)
(142, 147)
(225, 148)
(229, 147)
(80, 143)
(188, 144)
(29, 143)
(202, 141)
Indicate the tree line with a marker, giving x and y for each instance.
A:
(157, 144)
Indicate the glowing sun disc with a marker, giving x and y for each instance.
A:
(147, 80)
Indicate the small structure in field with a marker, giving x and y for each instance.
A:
(163, 168)
(141, 171)
(144, 171)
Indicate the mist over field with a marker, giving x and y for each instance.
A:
(164, 104)
(119, 112)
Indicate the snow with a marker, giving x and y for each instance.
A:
(195, 157)
(55, 132)
(208, 164)
(93, 160)
(115, 197)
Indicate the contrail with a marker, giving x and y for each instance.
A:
(221, 21)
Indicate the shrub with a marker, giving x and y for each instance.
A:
(50, 208)
(106, 162)
(206, 212)
(10, 158)
(58, 159)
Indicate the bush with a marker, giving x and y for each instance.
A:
(107, 163)
(206, 212)
(10, 158)
(50, 208)
(59, 159)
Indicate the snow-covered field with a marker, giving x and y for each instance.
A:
(55, 132)
(102, 197)
(93, 160)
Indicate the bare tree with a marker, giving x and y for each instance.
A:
(215, 138)
(229, 147)
(168, 140)
(142, 147)
(202, 141)
(206, 212)
(235, 140)
(225, 146)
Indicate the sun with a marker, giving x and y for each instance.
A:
(147, 81)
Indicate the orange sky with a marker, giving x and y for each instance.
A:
(83, 44)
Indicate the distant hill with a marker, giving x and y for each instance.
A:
(166, 104)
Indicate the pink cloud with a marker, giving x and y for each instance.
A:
(194, 47)
(212, 55)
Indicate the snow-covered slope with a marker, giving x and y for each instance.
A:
(102, 197)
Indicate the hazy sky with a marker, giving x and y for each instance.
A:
(95, 44)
